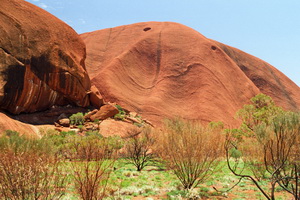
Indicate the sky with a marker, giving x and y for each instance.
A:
(267, 29)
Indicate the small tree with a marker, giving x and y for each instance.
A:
(138, 148)
(192, 151)
(271, 152)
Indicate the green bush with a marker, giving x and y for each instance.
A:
(77, 119)
(121, 115)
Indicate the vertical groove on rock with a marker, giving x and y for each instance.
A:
(158, 58)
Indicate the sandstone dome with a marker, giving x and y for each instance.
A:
(165, 69)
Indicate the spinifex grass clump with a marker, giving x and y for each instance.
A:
(121, 115)
(191, 150)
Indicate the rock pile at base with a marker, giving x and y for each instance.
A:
(110, 119)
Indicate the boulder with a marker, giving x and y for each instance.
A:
(96, 98)
(110, 127)
(7, 123)
(64, 122)
(105, 112)
(89, 114)
(42, 60)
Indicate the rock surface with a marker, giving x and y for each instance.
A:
(267, 78)
(64, 122)
(111, 127)
(7, 123)
(104, 112)
(41, 60)
(96, 98)
(162, 70)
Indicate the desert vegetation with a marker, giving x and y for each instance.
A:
(190, 150)
(181, 160)
(266, 144)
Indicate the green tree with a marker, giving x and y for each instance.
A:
(261, 110)
(272, 152)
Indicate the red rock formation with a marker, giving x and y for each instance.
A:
(95, 97)
(110, 127)
(41, 60)
(7, 123)
(267, 78)
(104, 112)
(162, 70)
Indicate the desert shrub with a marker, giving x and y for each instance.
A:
(91, 172)
(29, 170)
(191, 150)
(13, 141)
(96, 121)
(93, 133)
(121, 115)
(77, 119)
(11, 133)
(138, 148)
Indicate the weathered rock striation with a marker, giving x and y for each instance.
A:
(266, 78)
(41, 60)
(164, 69)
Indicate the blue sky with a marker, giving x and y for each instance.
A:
(268, 29)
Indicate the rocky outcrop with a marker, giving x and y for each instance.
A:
(41, 60)
(162, 70)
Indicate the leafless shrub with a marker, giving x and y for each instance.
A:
(93, 167)
(138, 148)
(192, 151)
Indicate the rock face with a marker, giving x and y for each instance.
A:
(266, 78)
(162, 70)
(41, 60)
